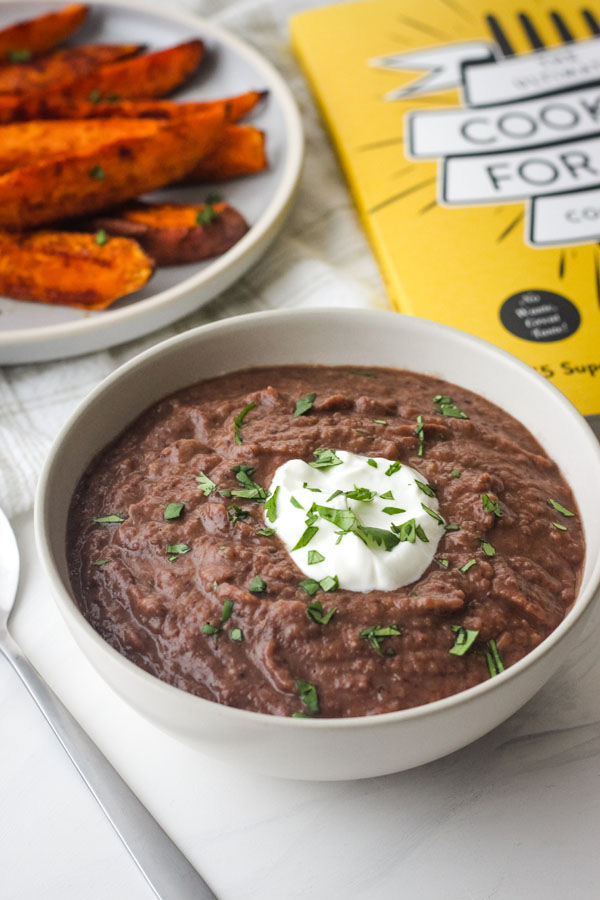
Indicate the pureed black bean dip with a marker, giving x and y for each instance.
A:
(177, 554)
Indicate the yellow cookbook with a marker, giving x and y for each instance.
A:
(470, 135)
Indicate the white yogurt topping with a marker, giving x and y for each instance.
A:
(359, 565)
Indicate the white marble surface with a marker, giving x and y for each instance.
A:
(514, 816)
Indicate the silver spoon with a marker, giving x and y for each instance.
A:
(163, 865)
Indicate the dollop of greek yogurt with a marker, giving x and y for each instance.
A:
(372, 522)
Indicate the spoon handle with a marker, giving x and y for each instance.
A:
(164, 866)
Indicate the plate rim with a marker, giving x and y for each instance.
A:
(258, 232)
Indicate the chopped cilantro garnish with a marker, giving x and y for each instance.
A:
(265, 532)
(455, 473)
(18, 56)
(372, 463)
(392, 510)
(236, 634)
(175, 550)
(494, 661)
(334, 495)
(210, 629)
(205, 484)
(238, 422)
(303, 405)
(452, 527)
(487, 548)
(236, 514)
(306, 537)
(206, 215)
(329, 583)
(271, 506)
(314, 557)
(433, 514)
(342, 518)
(101, 237)
(257, 585)
(310, 586)
(468, 565)
(94, 96)
(421, 436)
(360, 493)
(376, 633)
(97, 172)
(251, 490)
(173, 511)
(491, 506)
(446, 407)
(387, 496)
(325, 459)
(316, 612)
(314, 490)
(380, 421)
(557, 506)
(295, 503)
(112, 519)
(100, 562)
(308, 695)
(560, 527)
(444, 563)
(427, 489)
(463, 641)
(227, 610)
(393, 468)
(376, 538)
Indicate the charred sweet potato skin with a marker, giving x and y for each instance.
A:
(170, 233)
(241, 151)
(61, 67)
(42, 33)
(71, 269)
(95, 180)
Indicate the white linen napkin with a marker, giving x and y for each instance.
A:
(321, 258)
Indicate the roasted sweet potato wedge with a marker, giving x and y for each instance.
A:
(27, 143)
(23, 40)
(241, 151)
(71, 269)
(95, 180)
(61, 67)
(150, 75)
(176, 233)
(55, 106)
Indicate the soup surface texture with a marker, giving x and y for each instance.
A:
(175, 557)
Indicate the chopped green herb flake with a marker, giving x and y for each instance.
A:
(364, 374)
(452, 527)
(236, 514)
(100, 562)
(310, 586)
(303, 405)
(455, 473)
(101, 237)
(314, 557)
(444, 563)
(446, 407)
(112, 519)
(334, 495)
(295, 503)
(393, 468)
(342, 518)
(251, 490)
(494, 661)
(392, 510)
(316, 612)
(314, 490)
(491, 506)
(364, 495)
(376, 633)
(173, 511)
(372, 463)
(329, 583)
(175, 550)
(266, 532)
(206, 215)
(560, 527)
(306, 537)
(468, 565)
(427, 489)
(236, 634)
(210, 629)
(433, 514)
(376, 538)
(325, 459)
(95, 96)
(205, 484)
(407, 531)
(257, 585)
(308, 695)
(487, 548)
(238, 422)
(421, 436)
(380, 421)
(215, 585)
(97, 172)
(19, 56)
(557, 506)
(271, 506)
(227, 610)
(300, 715)
(463, 641)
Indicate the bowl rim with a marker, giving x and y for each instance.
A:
(290, 177)
(71, 612)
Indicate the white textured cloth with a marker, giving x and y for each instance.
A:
(321, 258)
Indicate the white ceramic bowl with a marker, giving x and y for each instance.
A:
(324, 749)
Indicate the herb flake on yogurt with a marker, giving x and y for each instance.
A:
(355, 532)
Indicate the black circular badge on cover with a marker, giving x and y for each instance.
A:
(540, 316)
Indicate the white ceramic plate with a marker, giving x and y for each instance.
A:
(31, 332)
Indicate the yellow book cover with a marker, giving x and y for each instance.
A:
(470, 135)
